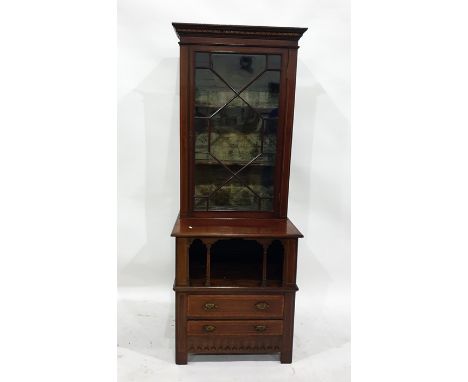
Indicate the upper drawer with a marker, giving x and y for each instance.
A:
(235, 306)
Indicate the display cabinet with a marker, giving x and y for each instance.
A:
(236, 250)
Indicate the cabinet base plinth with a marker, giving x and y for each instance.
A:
(181, 358)
(286, 357)
(234, 344)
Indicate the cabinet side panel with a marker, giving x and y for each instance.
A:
(184, 130)
(182, 262)
(290, 262)
(287, 132)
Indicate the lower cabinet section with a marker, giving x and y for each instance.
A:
(226, 323)
(235, 295)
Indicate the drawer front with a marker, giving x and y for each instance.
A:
(235, 306)
(244, 327)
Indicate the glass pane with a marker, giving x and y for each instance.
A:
(259, 178)
(274, 61)
(238, 69)
(235, 137)
(210, 93)
(263, 94)
(209, 176)
(200, 204)
(233, 196)
(236, 133)
(269, 141)
(201, 138)
(266, 204)
(202, 60)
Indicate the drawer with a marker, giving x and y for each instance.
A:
(242, 327)
(235, 306)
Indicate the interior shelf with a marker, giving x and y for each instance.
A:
(257, 162)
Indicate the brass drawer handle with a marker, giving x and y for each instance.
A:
(210, 306)
(209, 328)
(260, 328)
(262, 305)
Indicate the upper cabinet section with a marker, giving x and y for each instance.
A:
(235, 128)
(237, 99)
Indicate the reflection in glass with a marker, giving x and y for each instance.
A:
(266, 204)
(210, 93)
(238, 70)
(269, 140)
(259, 178)
(263, 94)
(235, 131)
(201, 138)
(200, 204)
(209, 177)
(234, 196)
(202, 60)
(274, 61)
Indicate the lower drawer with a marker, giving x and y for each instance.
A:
(243, 327)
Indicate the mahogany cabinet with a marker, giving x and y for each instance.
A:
(236, 250)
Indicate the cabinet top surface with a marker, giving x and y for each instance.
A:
(202, 227)
(238, 31)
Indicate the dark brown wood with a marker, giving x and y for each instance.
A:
(234, 344)
(257, 228)
(287, 133)
(280, 179)
(187, 30)
(181, 329)
(290, 262)
(237, 290)
(234, 306)
(237, 283)
(235, 302)
(285, 125)
(238, 42)
(288, 331)
(238, 327)
(184, 136)
(182, 245)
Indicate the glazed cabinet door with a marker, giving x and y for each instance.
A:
(236, 128)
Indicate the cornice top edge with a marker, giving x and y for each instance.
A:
(238, 31)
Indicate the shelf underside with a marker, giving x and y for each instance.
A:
(235, 283)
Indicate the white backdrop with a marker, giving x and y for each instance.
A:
(148, 194)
